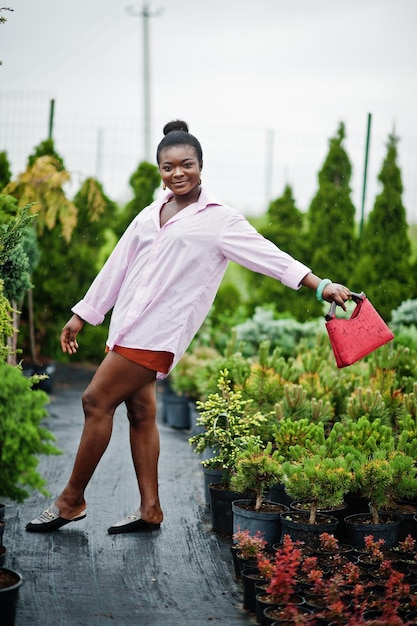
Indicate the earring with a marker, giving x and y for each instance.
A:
(164, 186)
(199, 182)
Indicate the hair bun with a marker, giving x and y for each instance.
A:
(175, 125)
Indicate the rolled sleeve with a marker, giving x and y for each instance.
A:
(294, 274)
(87, 313)
(241, 243)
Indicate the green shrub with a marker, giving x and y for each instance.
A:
(22, 437)
(404, 315)
(282, 333)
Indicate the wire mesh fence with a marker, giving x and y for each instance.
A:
(245, 167)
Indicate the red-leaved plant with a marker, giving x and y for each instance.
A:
(328, 542)
(249, 545)
(373, 548)
(265, 565)
(284, 572)
(407, 545)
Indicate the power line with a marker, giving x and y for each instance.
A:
(145, 14)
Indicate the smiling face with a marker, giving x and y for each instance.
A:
(180, 169)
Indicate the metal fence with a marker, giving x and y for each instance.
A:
(245, 167)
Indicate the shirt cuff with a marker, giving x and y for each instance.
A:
(294, 274)
(87, 313)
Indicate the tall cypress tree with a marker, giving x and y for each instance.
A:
(384, 270)
(284, 228)
(331, 217)
(67, 268)
(144, 182)
(5, 173)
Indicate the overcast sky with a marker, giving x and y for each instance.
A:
(231, 68)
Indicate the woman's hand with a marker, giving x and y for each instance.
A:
(69, 334)
(333, 292)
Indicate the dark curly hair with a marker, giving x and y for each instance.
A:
(176, 134)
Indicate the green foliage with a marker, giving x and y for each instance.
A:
(5, 172)
(22, 437)
(46, 148)
(331, 216)
(6, 325)
(256, 469)
(226, 312)
(66, 270)
(406, 425)
(232, 360)
(226, 427)
(18, 251)
(322, 482)
(404, 324)
(359, 434)
(369, 403)
(42, 184)
(404, 315)
(282, 333)
(187, 376)
(285, 228)
(385, 477)
(287, 433)
(396, 364)
(144, 182)
(384, 270)
(297, 405)
(13, 225)
(263, 387)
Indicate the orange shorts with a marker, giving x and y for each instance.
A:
(155, 360)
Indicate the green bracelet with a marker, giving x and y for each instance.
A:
(319, 291)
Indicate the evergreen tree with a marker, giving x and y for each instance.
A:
(384, 270)
(285, 229)
(144, 181)
(46, 148)
(16, 254)
(67, 268)
(5, 173)
(331, 217)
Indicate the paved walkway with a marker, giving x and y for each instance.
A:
(181, 575)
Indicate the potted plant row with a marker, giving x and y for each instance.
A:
(293, 585)
(326, 467)
(22, 438)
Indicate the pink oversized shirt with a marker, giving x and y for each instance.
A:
(161, 281)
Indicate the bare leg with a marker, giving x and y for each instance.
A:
(144, 443)
(116, 380)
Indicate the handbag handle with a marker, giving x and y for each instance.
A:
(356, 297)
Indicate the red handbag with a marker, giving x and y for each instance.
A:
(362, 333)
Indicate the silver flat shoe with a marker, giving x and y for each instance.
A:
(50, 520)
(132, 524)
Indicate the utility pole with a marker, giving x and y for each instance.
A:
(365, 174)
(145, 14)
(51, 118)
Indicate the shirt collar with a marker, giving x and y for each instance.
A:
(204, 200)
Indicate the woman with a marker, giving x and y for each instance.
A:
(161, 280)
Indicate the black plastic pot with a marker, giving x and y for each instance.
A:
(250, 576)
(211, 477)
(10, 583)
(221, 508)
(177, 411)
(358, 526)
(296, 525)
(266, 522)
